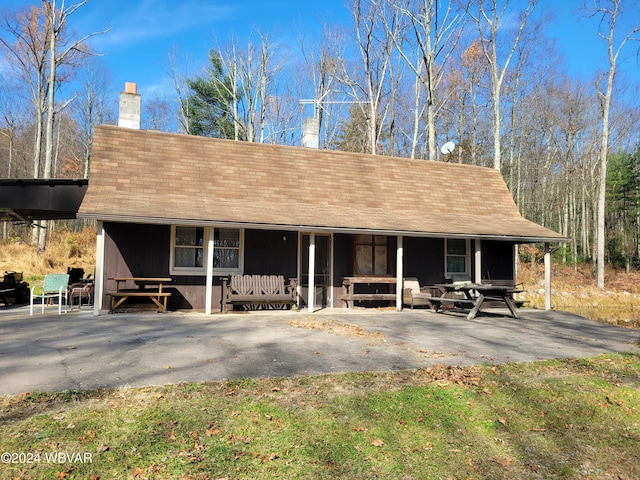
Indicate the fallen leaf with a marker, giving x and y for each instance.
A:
(360, 429)
(503, 421)
(378, 442)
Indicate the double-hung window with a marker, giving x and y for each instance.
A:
(189, 250)
(457, 257)
(227, 254)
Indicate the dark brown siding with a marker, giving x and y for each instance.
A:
(424, 259)
(268, 252)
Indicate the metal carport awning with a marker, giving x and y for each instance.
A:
(29, 200)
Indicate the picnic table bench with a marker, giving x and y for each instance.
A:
(156, 295)
(263, 290)
(462, 303)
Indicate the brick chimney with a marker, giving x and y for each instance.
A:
(129, 107)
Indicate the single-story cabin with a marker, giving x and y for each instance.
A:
(198, 209)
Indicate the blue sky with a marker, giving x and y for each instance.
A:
(142, 32)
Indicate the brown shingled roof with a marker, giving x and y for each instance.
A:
(148, 176)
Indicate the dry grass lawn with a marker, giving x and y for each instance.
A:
(64, 249)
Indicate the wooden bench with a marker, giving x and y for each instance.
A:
(157, 296)
(349, 296)
(258, 290)
(356, 297)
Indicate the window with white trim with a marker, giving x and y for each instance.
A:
(456, 257)
(189, 248)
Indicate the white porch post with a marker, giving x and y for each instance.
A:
(311, 297)
(547, 276)
(208, 291)
(399, 272)
(478, 261)
(98, 277)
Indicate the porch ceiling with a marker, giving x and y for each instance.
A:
(155, 177)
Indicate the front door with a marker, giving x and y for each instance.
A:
(322, 277)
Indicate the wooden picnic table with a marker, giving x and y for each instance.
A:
(474, 296)
(156, 295)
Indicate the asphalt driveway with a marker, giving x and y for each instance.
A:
(79, 351)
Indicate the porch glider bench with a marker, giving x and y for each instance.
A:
(264, 290)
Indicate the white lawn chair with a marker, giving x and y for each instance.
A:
(55, 285)
(414, 295)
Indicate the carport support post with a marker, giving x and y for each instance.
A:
(311, 300)
(98, 276)
(547, 276)
(209, 284)
(399, 272)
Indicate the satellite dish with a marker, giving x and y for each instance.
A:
(448, 148)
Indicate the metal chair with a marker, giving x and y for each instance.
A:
(55, 285)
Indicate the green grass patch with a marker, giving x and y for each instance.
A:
(554, 419)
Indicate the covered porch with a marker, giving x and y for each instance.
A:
(331, 269)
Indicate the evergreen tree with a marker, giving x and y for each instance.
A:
(623, 204)
(209, 105)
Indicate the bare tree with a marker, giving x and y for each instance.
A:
(251, 73)
(490, 19)
(368, 79)
(13, 120)
(608, 11)
(178, 70)
(93, 105)
(26, 52)
(427, 36)
(323, 62)
(60, 52)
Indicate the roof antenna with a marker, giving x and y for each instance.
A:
(447, 148)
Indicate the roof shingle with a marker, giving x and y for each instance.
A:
(150, 176)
